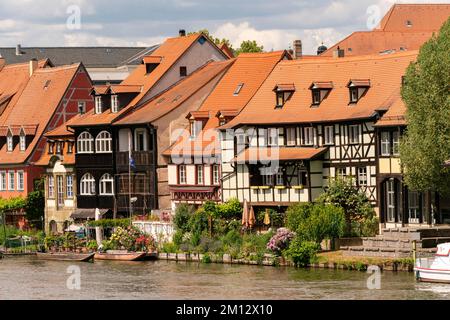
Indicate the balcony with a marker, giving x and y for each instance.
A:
(141, 158)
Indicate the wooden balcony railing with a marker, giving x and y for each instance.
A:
(141, 158)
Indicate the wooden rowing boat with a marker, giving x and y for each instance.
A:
(66, 256)
(119, 255)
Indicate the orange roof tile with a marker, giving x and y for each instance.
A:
(385, 74)
(45, 89)
(253, 154)
(120, 88)
(198, 115)
(60, 131)
(66, 158)
(395, 116)
(175, 95)
(152, 59)
(225, 49)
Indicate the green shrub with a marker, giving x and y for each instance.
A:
(230, 210)
(110, 223)
(233, 237)
(198, 222)
(296, 214)
(209, 245)
(206, 258)
(169, 247)
(195, 239)
(182, 216)
(301, 252)
(276, 218)
(178, 237)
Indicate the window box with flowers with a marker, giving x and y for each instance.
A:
(299, 187)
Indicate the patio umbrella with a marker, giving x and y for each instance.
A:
(267, 218)
(245, 214)
(251, 217)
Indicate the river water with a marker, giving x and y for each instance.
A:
(29, 278)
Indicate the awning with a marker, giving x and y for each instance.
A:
(87, 213)
(280, 154)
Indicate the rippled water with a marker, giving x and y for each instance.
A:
(29, 278)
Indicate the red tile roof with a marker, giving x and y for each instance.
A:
(35, 107)
(395, 116)
(254, 154)
(384, 72)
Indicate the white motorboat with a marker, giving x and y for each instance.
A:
(435, 269)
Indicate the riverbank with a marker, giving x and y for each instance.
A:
(325, 260)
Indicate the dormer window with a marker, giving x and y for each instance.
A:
(114, 103)
(151, 62)
(183, 71)
(357, 89)
(238, 89)
(22, 142)
(283, 94)
(98, 104)
(196, 127)
(320, 91)
(9, 142)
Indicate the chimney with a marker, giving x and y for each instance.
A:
(18, 50)
(182, 33)
(338, 53)
(33, 66)
(297, 49)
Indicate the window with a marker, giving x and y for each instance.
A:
(69, 186)
(354, 95)
(9, 142)
(267, 180)
(328, 135)
(353, 134)
(60, 190)
(302, 177)
(413, 206)
(114, 103)
(106, 185)
(395, 143)
(22, 142)
(280, 99)
(11, 182)
(85, 143)
(385, 143)
(140, 142)
(238, 89)
(183, 71)
(51, 187)
(272, 137)
(59, 147)
(81, 107)
(20, 181)
(3, 181)
(279, 178)
(196, 127)
(216, 172)
(308, 138)
(182, 174)
(70, 147)
(103, 142)
(391, 207)
(290, 137)
(87, 185)
(316, 97)
(341, 172)
(98, 104)
(51, 147)
(362, 176)
(200, 177)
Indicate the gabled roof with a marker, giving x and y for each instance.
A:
(36, 106)
(384, 72)
(175, 95)
(249, 70)
(91, 57)
(395, 116)
(404, 27)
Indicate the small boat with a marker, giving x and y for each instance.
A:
(121, 255)
(150, 256)
(435, 269)
(66, 256)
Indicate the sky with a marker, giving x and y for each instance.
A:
(272, 23)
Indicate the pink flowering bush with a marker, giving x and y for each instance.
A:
(280, 241)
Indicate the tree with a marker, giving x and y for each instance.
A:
(357, 208)
(425, 146)
(249, 46)
(34, 207)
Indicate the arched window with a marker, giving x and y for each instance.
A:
(87, 185)
(22, 141)
(85, 143)
(103, 142)
(106, 185)
(9, 142)
(53, 227)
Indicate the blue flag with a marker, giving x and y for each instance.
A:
(132, 163)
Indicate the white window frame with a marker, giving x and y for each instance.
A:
(354, 94)
(69, 186)
(60, 191)
(114, 103)
(98, 104)
(103, 142)
(216, 174)
(81, 107)
(354, 134)
(200, 174)
(85, 143)
(291, 136)
(316, 96)
(137, 132)
(308, 136)
(3, 181)
(341, 172)
(182, 176)
(390, 200)
(87, 185)
(396, 143)
(272, 137)
(104, 180)
(279, 178)
(20, 180)
(328, 135)
(22, 142)
(11, 180)
(238, 89)
(385, 143)
(362, 176)
(9, 142)
(267, 179)
(51, 187)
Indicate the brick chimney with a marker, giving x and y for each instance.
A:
(182, 33)
(338, 53)
(33, 66)
(18, 50)
(297, 48)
